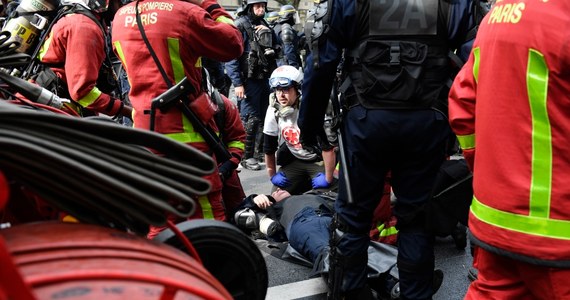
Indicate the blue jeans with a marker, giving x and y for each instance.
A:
(308, 233)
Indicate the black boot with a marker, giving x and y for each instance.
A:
(249, 161)
(364, 293)
(259, 155)
(437, 282)
(459, 236)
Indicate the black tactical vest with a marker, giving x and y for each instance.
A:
(402, 59)
(255, 62)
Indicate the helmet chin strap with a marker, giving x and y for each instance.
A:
(256, 17)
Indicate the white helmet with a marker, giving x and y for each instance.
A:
(285, 76)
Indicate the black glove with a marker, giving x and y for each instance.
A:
(309, 140)
(225, 170)
(315, 142)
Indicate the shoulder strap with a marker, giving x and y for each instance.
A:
(78, 9)
(150, 49)
(33, 63)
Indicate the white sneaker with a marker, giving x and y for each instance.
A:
(251, 164)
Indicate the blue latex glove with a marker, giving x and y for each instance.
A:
(280, 180)
(320, 181)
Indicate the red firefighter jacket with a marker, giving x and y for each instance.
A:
(233, 136)
(75, 50)
(180, 33)
(510, 107)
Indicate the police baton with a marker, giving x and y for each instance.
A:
(337, 113)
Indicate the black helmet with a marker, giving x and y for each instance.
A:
(272, 18)
(287, 14)
(249, 7)
(249, 3)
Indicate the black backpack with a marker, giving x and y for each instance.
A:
(451, 197)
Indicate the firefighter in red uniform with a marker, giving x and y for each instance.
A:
(232, 134)
(179, 32)
(75, 50)
(509, 107)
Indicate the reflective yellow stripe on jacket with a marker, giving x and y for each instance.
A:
(90, 97)
(225, 20)
(467, 142)
(45, 47)
(538, 221)
(93, 93)
(384, 231)
(189, 135)
(236, 144)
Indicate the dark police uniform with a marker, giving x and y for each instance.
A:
(253, 75)
(289, 37)
(396, 66)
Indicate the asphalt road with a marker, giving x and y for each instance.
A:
(291, 281)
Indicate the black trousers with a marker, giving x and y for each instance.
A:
(411, 144)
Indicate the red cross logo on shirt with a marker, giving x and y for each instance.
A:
(291, 135)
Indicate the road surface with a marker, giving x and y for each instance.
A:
(291, 281)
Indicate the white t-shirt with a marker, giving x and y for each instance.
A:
(287, 131)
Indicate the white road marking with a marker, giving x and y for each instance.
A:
(297, 290)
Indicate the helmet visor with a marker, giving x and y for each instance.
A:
(280, 82)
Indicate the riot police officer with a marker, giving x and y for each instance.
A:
(272, 19)
(289, 36)
(249, 75)
(394, 95)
